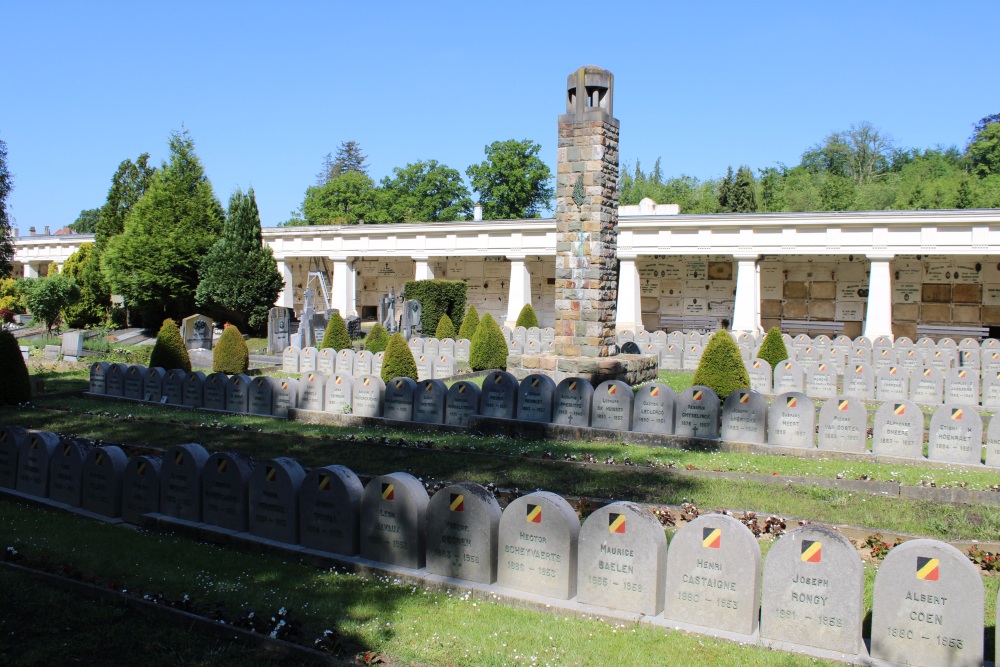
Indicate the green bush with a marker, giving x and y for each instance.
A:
(398, 361)
(527, 318)
(377, 339)
(721, 367)
(16, 387)
(469, 324)
(489, 347)
(169, 351)
(231, 354)
(445, 328)
(773, 349)
(335, 336)
(437, 298)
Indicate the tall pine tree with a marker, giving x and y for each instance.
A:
(6, 233)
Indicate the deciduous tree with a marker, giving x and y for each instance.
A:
(426, 192)
(512, 182)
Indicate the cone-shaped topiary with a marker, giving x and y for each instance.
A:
(445, 328)
(773, 349)
(335, 336)
(16, 387)
(398, 361)
(489, 347)
(169, 351)
(377, 339)
(230, 354)
(469, 324)
(721, 367)
(527, 318)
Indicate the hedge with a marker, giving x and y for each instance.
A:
(16, 386)
(437, 298)
(169, 351)
(721, 367)
(230, 355)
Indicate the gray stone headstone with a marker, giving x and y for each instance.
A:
(285, 396)
(274, 499)
(425, 365)
(416, 345)
(898, 430)
(990, 360)
(622, 559)
(573, 401)
(180, 481)
(969, 358)
(312, 392)
(791, 421)
(927, 607)
(194, 387)
(173, 386)
(72, 344)
(788, 376)
(955, 434)
(134, 383)
(279, 327)
(461, 403)
(432, 347)
(368, 395)
(153, 386)
(101, 481)
(290, 360)
(114, 380)
(813, 591)
(808, 356)
(911, 359)
(538, 541)
(51, 352)
(535, 399)
(961, 385)
(696, 413)
(340, 395)
(225, 481)
(691, 357)
(520, 335)
(326, 362)
(308, 358)
(398, 401)
(671, 357)
(927, 388)
(214, 390)
(612, 407)
(261, 395)
(859, 381)
(377, 360)
(446, 346)
(429, 402)
(345, 362)
(463, 522)
(744, 417)
(98, 377)
(12, 440)
(363, 363)
(444, 366)
(760, 376)
(329, 507)
(992, 443)
(942, 359)
(33, 463)
(892, 383)
(462, 348)
(882, 357)
(238, 393)
(821, 380)
(653, 409)
(141, 487)
(713, 575)
(393, 520)
(66, 470)
(197, 332)
(991, 390)
(843, 425)
(498, 397)
(838, 356)
(859, 355)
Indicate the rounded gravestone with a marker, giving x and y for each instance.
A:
(463, 521)
(899, 430)
(285, 396)
(326, 363)
(843, 425)
(653, 409)
(535, 398)
(429, 402)
(955, 435)
(859, 381)
(260, 399)
(134, 384)
(98, 377)
(225, 481)
(498, 396)
(696, 413)
(141, 487)
(238, 394)
(339, 393)
(629, 347)
(744, 417)
(538, 541)
(65, 471)
(194, 389)
(393, 520)
(172, 389)
(367, 396)
(153, 386)
(274, 500)
(101, 481)
(312, 391)
(961, 385)
(612, 407)
(398, 401)
(761, 377)
(12, 439)
(214, 390)
(329, 506)
(33, 463)
(461, 403)
(115, 380)
(573, 401)
(791, 421)
(927, 386)
(180, 481)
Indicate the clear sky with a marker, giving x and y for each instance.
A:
(266, 89)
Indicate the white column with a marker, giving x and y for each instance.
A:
(746, 309)
(343, 295)
(423, 270)
(286, 297)
(519, 292)
(878, 318)
(629, 309)
(30, 271)
(59, 268)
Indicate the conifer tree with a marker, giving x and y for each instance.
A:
(489, 347)
(469, 324)
(377, 339)
(398, 360)
(335, 337)
(773, 349)
(169, 351)
(230, 354)
(445, 328)
(721, 367)
(527, 317)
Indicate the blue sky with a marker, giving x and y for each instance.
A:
(267, 89)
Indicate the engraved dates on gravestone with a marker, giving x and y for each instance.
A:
(859, 381)
(612, 406)
(98, 377)
(238, 393)
(141, 487)
(538, 546)
(398, 402)
(573, 401)
(821, 380)
(744, 417)
(535, 398)
(429, 402)
(760, 376)
(134, 384)
(312, 391)
(463, 521)
(393, 520)
(225, 480)
(961, 385)
(843, 425)
(101, 481)
(696, 413)
(927, 387)
(274, 500)
(12, 440)
(498, 397)
(653, 409)
(367, 396)
(180, 481)
(65, 471)
(955, 435)
(461, 403)
(898, 430)
(339, 394)
(33, 463)
(991, 390)
(791, 421)
(329, 506)
(788, 376)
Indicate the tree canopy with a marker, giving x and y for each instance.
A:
(348, 158)
(512, 182)
(426, 191)
(86, 222)
(6, 229)
(129, 183)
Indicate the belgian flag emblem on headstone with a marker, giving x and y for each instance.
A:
(284, 386)
(756, 364)
(179, 458)
(788, 366)
(535, 381)
(461, 388)
(223, 464)
(338, 380)
(745, 397)
(962, 374)
(612, 389)
(311, 377)
(928, 569)
(791, 402)
(399, 384)
(141, 468)
(697, 395)
(892, 370)
(822, 367)
(843, 405)
(927, 372)
(812, 551)
(388, 491)
(533, 514)
(859, 369)
(937, 355)
(572, 385)
(899, 409)
(711, 538)
(457, 502)
(324, 482)
(498, 379)
(270, 473)
(654, 391)
(428, 386)
(368, 381)
(99, 459)
(956, 414)
(616, 523)
(67, 448)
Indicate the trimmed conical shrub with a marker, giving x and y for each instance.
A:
(773, 349)
(398, 361)
(721, 367)
(16, 387)
(489, 347)
(377, 339)
(527, 318)
(169, 351)
(445, 328)
(230, 354)
(335, 337)
(469, 324)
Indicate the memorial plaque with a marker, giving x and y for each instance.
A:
(859, 381)
(290, 360)
(141, 487)
(538, 541)
(821, 380)
(238, 393)
(134, 383)
(462, 348)
(892, 383)
(744, 417)
(225, 480)
(377, 359)
(961, 385)
(498, 397)
(308, 358)
(696, 413)
(898, 430)
(760, 376)
(326, 362)
(992, 443)
(398, 402)
(444, 366)
(274, 500)
(173, 386)
(101, 481)
(463, 523)
(424, 367)
(927, 388)
(955, 435)
(197, 332)
(66, 470)
(393, 520)
(261, 397)
(653, 409)
(312, 392)
(98, 377)
(612, 407)
(284, 397)
(12, 440)
(429, 402)
(180, 481)
(114, 380)
(788, 376)
(791, 421)
(535, 398)
(33, 463)
(843, 425)
(813, 591)
(363, 363)
(622, 559)
(713, 575)
(329, 507)
(692, 357)
(927, 607)
(367, 396)
(194, 388)
(345, 362)
(153, 387)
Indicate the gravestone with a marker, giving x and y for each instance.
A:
(312, 388)
(329, 506)
(238, 394)
(424, 367)
(141, 487)
(134, 384)
(197, 332)
(498, 396)
(66, 470)
(398, 401)
(33, 463)
(622, 559)
(538, 540)
(444, 366)
(429, 402)
(990, 360)
(153, 386)
(308, 358)
(363, 363)
(416, 345)
(367, 396)
(992, 444)
(713, 575)
(393, 520)
(98, 377)
(744, 417)
(859, 355)
(653, 409)
(326, 361)
(114, 380)
(969, 358)
(955, 435)
(821, 380)
(912, 360)
(942, 359)
(225, 480)
(463, 523)
(279, 327)
(961, 385)
(290, 360)
(519, 335)
(274, 500)
(101, 481)
(813, 591)
(261, 395)
(461, 403)
(838, 356)
(691, 357)
(671, 357)
(173, 387)
(284, 396)
(898, 430)
(791, 421)
(843, 425)
(927, 388)
(535, 398)
(51, 352)
(788, 376)
(462, 348)
(573, 402)
(808, 356)
(345, 362)
(377, 360)
(72, 345)
(859, 381)
(446, 347)
(883, 357)
(432, 348)
(340, 395)
(696, 413)
(214, 390)
(612, 407)
(760, 376)
(194, 389)
(180, 481)
(927, 607)
(12, 439)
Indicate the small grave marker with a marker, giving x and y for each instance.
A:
(329, 506)
(393, 520)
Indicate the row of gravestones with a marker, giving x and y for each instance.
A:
(928, 598)
(330, 362)
(524, 336)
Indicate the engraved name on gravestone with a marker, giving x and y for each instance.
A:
(424, 364)
(197, 331)
(821, 380)
(312, 387)
(377, 360)
(859, 381)
(101, 481)
(653, 409)
(444, 366)
(340, 394)
(462, 348)
(261, 395)
(538, 540)
(744, 417)
(813, 591)
(883, 357)
(955, 435)
(98, 377)
(134, 384)
(696, 413)
(622, 559)
(114, 380)
(326, 361)
(153, 386)
(760, 376)
(33, 463)
(843, 425)
(367, 396)
(290, 360)
(225, 480)
(927, 607)
(398, 403)
(180, 481)
(898, 430)
(194, 385)
(927, 387)
(912, 360)
(860, 355)
(573, 401)
(992, 443)
(329, 507)
(892, 383)
(393, 520)
(65, 471)
(12, 439)
(463, 523)
(238, 393)
(274, 500)
(362, 363)
(713, 575)
(285, 396)
(498, 397)
(612, 406)
(429, 402)
(942, 359)
(788, 376)
(173, 386)
(344, 362)
(535, 397)
(141, 487)
(961, 385)
(791, 421)
(461, 403)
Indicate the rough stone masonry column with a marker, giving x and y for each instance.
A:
(587, 218)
